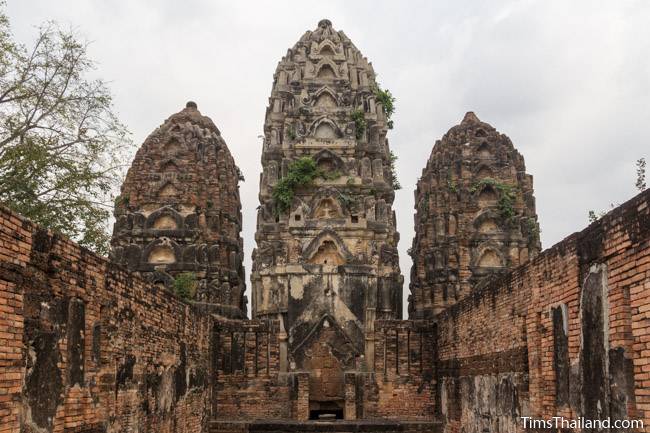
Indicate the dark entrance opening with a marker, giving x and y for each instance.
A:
(326, 414)
(326, 410)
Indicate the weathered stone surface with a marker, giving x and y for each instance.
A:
(475, 216)
(179, 212)
(562, 335)
(330, 260)
(86, 346)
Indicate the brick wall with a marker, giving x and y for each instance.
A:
(249, 382)
(251, 385)
(88, 347)
(15, 243)
(566, 334)
(402, 386)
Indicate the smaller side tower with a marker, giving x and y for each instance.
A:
(178, 217)
(475, 216)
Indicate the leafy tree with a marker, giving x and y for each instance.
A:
(61, 144)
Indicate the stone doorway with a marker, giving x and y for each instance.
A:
(326, 381)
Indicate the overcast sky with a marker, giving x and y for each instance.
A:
(567, 81)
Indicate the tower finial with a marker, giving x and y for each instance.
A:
(470, 117)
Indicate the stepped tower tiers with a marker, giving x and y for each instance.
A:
(475, 216)
(178, 217)
(326, 263)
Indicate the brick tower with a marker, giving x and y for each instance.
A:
(475, 216)
(326, 260)
(179, 213)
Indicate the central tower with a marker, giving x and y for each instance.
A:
(326, 261)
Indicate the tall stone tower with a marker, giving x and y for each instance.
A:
(475, 216)
(326, 262)
(179, 213)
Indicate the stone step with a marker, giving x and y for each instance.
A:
(338, 426)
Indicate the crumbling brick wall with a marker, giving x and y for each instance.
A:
(249, 382)
(100, 350)
(402, 385)
(15, 243)
(567, 334)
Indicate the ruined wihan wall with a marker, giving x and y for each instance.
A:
(89, 347)
(566, 334)
(251, 385)
(402, 385)
(247, 372)
(475, 216)
(15, 246)
(326, 265)
(482, 366)
(179, 212)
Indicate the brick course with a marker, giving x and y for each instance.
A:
(505, 330)
(86, 346)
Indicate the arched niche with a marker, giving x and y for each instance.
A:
(484, 172)
(328, 161)
(488, 226)
(328, 208)
(165, 218)
(325, 128)
(172, 146)
(326, 50)
(325, 131)
(169, 167)
(326, 165)
(487, 196)
(483, 150)
(327, 254)
(480, 133)
(489, 258)
(168, 190)
(161, 254)
(326, 71)
(325, 100)
(165, 222)
(327, 248)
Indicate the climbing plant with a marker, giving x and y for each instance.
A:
(533, 229)
(291, 133)
(122, 200)
(240, 175)
(359, 119)
(451, 184)
(387, 102)
(328, 175)
(393, 172)
(301, 173)
(507, 195)
(185, 285)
